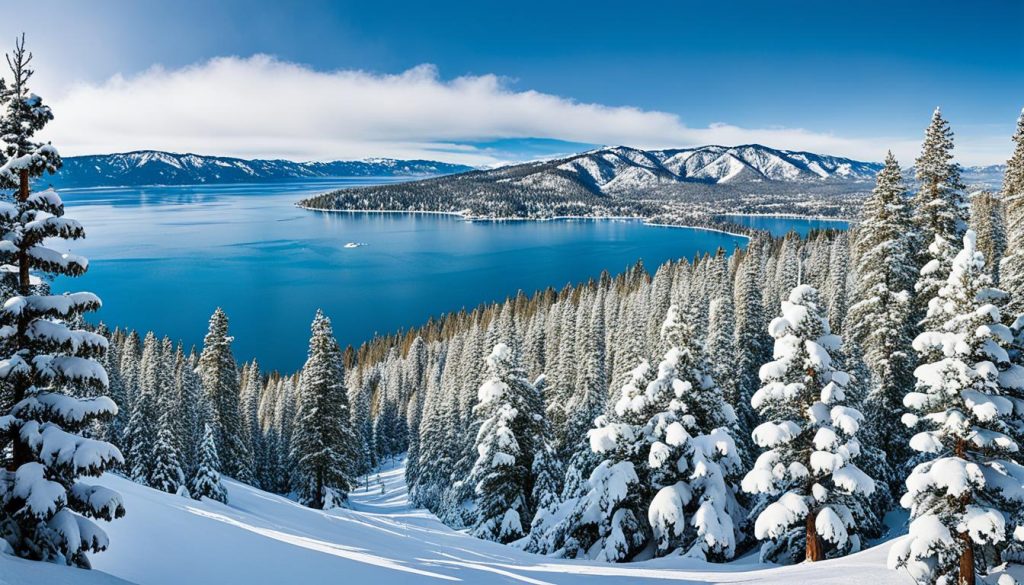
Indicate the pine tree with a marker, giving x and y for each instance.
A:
(250, 402)
(879, 319)
(807, 470)
(141, 433)
(323, 446)
(190, 408)
(667, 455)
(511, 432)
(219, 373)
(206, 481)
(987, 222)
(750, 340)
(166, 474)
(969, 492)
(46, 510)
(1012, 265)
(940, 209)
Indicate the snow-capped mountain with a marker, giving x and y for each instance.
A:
(620, 168)
(150, 167)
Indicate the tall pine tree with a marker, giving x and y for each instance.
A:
(323, 447)
(47, 366)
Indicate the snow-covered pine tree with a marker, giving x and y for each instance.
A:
(1011, 270)
(190, 408)
(323, 445)
(668, 457)
(219, 374)
(112, 430)
(807, 470)
(141, 432)
(250, 403)
(879, 318)
(692, 454)
(969, 494)
(751, 342)
(166, 474)
(511, 433)
(940, 210)
(986, 219)
(46, 510)
(206, 481)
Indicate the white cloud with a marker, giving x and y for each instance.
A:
(263, 107)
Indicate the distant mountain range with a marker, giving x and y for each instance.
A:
(602, 171)
(151, 167)
(627, 169)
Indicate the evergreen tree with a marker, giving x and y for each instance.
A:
(816, 490)
(250, 402)
(46, 510)
(219, 374)
(1012, 265)
(166, 474)
(323, 446)
(206, 481)
(990, 229)
(141, 433)
(969, 492)
(510, 434)
(879, 320)
(940, 209)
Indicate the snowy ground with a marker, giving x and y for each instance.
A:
(263, 538)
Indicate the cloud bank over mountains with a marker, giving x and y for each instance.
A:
(264, 107)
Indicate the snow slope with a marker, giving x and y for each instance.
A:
(264, 538)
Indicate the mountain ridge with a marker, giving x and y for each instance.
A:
(156, 167)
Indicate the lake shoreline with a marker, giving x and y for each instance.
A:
(644, 220)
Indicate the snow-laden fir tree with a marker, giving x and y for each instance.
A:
(250, 402)
(879, 319)
(323, 448)
(166, 474)
(752, 344)
(987, 221)
(808, 470)
(219, 374)
(510, 435)
(46, 509)
(940, 209)
(969, 493)
(206, 481)
(669, 465)
(692, 454)
(1011, 277)
(141, 433)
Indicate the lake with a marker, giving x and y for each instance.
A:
(780, 226)
(162, 258)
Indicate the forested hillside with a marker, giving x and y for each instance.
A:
(783, 396)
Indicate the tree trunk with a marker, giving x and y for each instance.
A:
(966, 561)
(967, 557)
(815, 547)
(20, 452)
(24, 283)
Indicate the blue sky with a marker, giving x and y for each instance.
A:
(854, 78)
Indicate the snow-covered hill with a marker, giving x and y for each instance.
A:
(150, 167)
(263, 538)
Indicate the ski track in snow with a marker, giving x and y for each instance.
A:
(261, 538)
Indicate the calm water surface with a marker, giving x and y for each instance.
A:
(780, 226)
(162, 258)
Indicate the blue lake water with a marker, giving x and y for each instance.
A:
(162, 258)
(780, 226)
